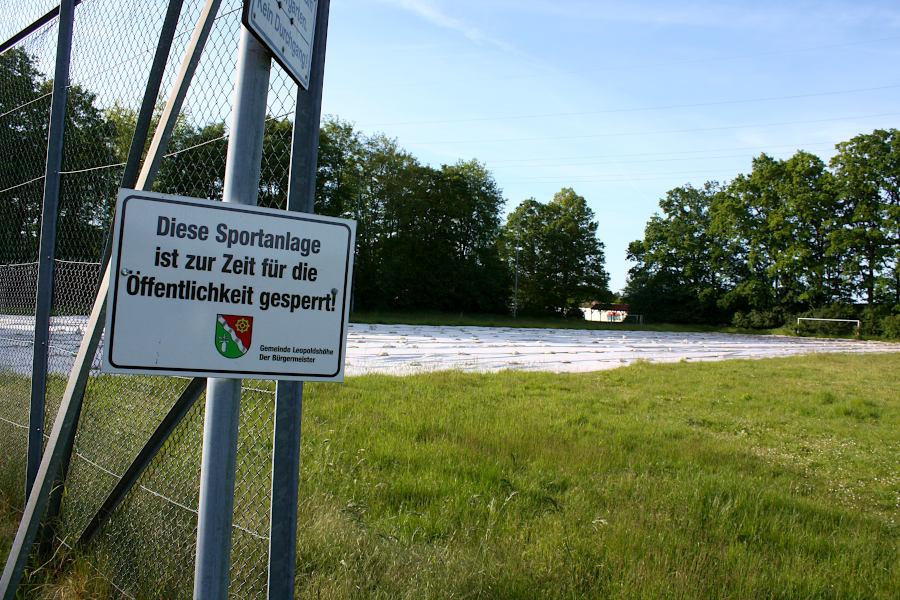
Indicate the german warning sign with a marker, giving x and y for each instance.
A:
(211, 289)
(287, 29)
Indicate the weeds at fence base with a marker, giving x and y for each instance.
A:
(60, 576)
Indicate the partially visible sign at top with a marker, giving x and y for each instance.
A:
(287, 29)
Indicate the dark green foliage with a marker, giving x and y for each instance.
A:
(555, 250)
(676, 271)
(87, 192)
(23, 133)
(867, 169)
(879, 320)
(787, 239)
(760, 319)
(187, 174)
(430, 238)
(833, 311)
(427, 237)
(890, 327)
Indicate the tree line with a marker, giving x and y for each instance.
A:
(792, 237)
(428, 238)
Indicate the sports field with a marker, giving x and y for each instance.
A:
(772, 478)
(408, 349)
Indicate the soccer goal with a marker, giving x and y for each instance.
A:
(828, 326)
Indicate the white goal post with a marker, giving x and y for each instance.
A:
(857, 322)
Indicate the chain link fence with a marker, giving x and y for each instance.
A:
(24, 121)
(147, 547)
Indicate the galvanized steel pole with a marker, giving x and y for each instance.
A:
(289, 394)
(59, 446)
(220, 427)
(129, 175)
(47, 253)
(61, 438)
(172, 108)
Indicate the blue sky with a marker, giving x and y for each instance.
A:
(619, 100)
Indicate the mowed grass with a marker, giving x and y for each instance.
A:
(777, 478)
(61, 576)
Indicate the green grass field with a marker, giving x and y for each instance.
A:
(777, 478)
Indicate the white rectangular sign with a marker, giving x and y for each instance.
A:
(210, 289)
(287, 29)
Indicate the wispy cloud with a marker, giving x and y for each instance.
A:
(764, 14)
(434, 14)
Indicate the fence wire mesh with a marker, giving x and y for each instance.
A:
(147, 547)
(25, 13)
(24, 121)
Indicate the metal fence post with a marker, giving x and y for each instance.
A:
(34, 26)
(132, 164)
(59, 447)
(289, 394)
(220, 426)
(173, 106)
(139, 465)
(151, 92)
(47, 252)
(60, 438)
(4, 288)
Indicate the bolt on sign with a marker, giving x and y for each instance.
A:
(287, 29)
(213, 289)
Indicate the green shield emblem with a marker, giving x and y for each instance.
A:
(233, 335)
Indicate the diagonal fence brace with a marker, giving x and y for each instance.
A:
(58, 452)
(62, 436)
(129, 479)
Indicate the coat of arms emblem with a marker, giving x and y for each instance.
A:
(233, 334)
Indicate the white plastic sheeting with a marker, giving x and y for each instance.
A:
(402, 349)
(406, 349)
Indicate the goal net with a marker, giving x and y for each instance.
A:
(818, 326)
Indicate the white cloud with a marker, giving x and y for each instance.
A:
(763, 14)
(431, 12)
